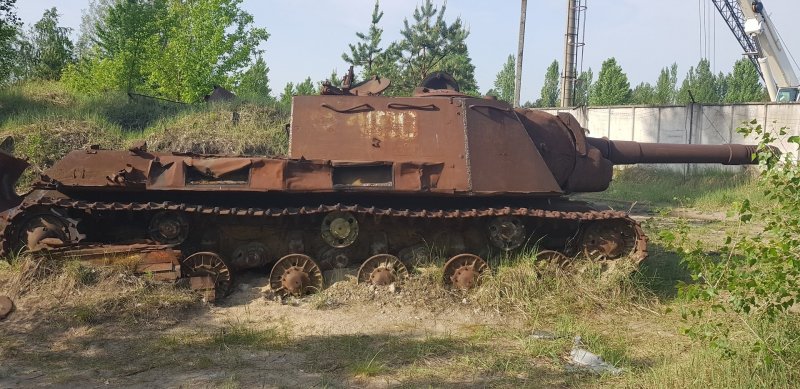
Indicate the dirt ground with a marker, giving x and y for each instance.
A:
(415, 335)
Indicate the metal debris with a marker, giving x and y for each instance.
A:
(583, 359)
(543, 335)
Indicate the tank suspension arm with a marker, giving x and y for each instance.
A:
(628, 152)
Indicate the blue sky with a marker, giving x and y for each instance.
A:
(309, 36)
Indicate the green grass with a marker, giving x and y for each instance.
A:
(706, 190)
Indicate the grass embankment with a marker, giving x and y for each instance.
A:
(46, 121)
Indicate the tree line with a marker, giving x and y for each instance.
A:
(179, 50)
(700, 85)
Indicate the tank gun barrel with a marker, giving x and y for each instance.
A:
(628, 152)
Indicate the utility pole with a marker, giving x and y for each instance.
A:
(570, 45)
(520, 49)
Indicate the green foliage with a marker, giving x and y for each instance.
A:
(430, 44)
(92, 18)
(304, 88)
(644, 93)
(9, 28)
(172, 48)
(664, 93)
(582, 86)
(701, 84)
(504, 82)
(551, 89)
(207, 41)
(50, 49)
(254, 83)
(744, 84)
(366, 52)
(753, 278)
(612, 86)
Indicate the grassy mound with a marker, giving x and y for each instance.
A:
(230, 129)
(46, 121)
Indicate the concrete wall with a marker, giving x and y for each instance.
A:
(690, 124)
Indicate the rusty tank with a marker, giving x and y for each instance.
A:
(371, 183)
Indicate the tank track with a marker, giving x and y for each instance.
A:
(639, 252)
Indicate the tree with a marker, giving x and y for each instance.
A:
(744, 85)
(117, 49)
(504, 81)
(551, 89)
(582, 86)
(177, 49)
(207, 41)
(300, 89)
(9, 28)
(612, 86)
(664, 93)
(92, 19)
(254, 83)
(644, 93)
(51, 47)
(431, 44)
(701, 84)
(365, 52)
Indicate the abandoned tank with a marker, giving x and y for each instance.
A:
(372, 183)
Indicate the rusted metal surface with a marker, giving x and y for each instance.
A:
(6, 307)
(297, 275)
(382, 270)
(161, 262)
(464, 271)
(204, 266)
(11, 169)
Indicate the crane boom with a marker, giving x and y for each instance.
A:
(733, 16)
(757, 35)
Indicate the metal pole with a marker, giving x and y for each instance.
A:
(570, 42)
(520, 48)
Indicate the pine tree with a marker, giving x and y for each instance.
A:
(366, 52)
(612, 86)
(744, 84)
(431, 44)
(504, 81)
(551, 89)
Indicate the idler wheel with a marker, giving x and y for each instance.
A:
(208, 264)
(339, 229)
(382, 270)
(549, 259)
(606, 240)
(42, 231)
(464, 271)
(295, 274)
(169, 228)
(507, 232)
